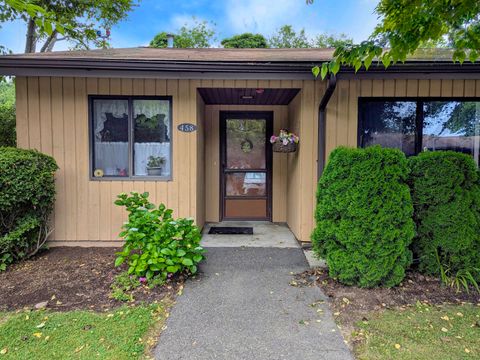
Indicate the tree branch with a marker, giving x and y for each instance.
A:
(50, 42)
(31, 40)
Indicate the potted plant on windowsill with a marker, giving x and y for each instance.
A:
(285, 142)
(155, 165)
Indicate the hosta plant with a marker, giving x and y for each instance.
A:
(156, 244)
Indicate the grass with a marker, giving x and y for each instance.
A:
(125, 333)
(421, 332)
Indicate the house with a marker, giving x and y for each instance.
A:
(192, 127)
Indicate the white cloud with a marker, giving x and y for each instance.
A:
(267, 16)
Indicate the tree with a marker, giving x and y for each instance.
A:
(7, 114)
(245, 41)
(406, 25)
(287, 37)
(331, 41)
(76, 20)
(199, 35)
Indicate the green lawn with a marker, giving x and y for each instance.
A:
(123, 333)
(421, 332)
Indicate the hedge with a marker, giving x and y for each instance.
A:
(27, 195)
(446, 197)
(363, 216)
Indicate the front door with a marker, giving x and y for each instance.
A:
(246, 165)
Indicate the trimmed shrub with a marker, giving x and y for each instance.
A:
(27, 195)
(363, 217)
(446, 196)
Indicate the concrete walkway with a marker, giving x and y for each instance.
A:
(242, 307)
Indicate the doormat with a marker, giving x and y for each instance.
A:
(219, 230)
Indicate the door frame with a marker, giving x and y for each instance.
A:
(268, 116)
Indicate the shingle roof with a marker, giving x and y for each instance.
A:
(216, 55)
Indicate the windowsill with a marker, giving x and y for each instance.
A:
(132, 178)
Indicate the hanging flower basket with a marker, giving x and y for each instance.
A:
(285, 142)
(289, 148)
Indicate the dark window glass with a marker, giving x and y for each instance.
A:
(131, 132)
(389, 124)
(110, 137)
(452, 125)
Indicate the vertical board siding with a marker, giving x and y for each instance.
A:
(52, 116)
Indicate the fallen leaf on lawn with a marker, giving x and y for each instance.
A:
(39, 326)
(37, 334)
(397, 346)
(459, 314)
(59, 302)
(3, 351)
(47, 338)
(53, 297)
(110, 315)
(467, 350)
(346, 301)
(444, 329)
(80, 348)
(445, 318)
(27, 317)
(336, 313)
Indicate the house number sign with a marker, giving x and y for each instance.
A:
(187, 127)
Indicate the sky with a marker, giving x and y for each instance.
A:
(352, 17)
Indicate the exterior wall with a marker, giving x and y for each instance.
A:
(52, 116)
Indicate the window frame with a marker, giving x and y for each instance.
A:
(419, 118)
(131, 138)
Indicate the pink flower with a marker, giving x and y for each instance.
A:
(142, 280)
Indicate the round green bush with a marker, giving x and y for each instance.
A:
(27, 195)
(363, 216)
(446, 197)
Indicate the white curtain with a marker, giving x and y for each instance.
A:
(112, 157)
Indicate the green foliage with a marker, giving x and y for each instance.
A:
(245, 41)
(27, 195)
(331, 40)
(123, 285)
(407, 26)
(197, 35)
(156, 244)
(446, 196)
(364, 216)
(7, 114)
(287, 37)
(76, 20)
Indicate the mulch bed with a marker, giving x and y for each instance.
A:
(71, 278)
(351, 304)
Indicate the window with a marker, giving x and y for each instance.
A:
(131, 137)
(413, 125)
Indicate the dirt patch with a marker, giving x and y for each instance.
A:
(351, 304)
(71, 278)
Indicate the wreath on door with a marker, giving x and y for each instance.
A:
(246, 146)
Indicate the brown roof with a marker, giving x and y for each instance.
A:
(296, 62)
(216, 55)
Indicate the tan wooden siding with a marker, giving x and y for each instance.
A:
(52, 117)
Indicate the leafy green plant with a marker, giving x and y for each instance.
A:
(462, 278)
(446, 196)
(364, 216)
(123, 285)
(156, 244)
(156, 161)
(27, 195)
